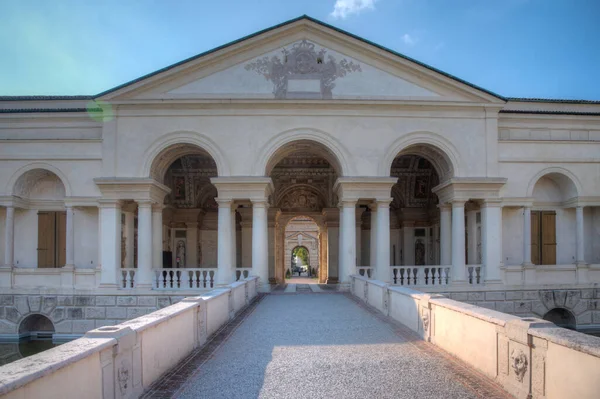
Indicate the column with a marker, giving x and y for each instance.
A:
(580, 258)
(408, 230)
(458, 242)
(233, 239)
(143, 276)
(491, 241)
(348, 229)
(110, 244)
(383, 240)
(9, 237)
(332, 216)
(191, 257)
(129, 238)
(225, 273)
(341, 269)
(260, 245)
(373, 238)
(70, 244)
(526, 236)
(445, 235)
(246, 244)
(472, 236)
(359, 212)
(157, 237)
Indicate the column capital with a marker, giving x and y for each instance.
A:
(444, 207)
(383, 203)
(260, 203)
(491, 203)
(458, 203)
(109, 203)
(347, 203)
(158, 207)
(224, 203)
(144, 203)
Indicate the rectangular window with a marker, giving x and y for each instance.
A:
(52, 239)
(543, 237)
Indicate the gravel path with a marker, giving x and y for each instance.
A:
(320, 346)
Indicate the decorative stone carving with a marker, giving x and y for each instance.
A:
(419, 252)
(301, 199)
(302, 62)
(123, 375)
(518, 362)
(180, 253)
(425, 319)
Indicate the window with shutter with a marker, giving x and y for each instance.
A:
(543, 237)
(52, 238)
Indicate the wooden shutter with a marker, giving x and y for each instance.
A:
(548, 238)
(46, 239)
(61, 239)
(535, 237)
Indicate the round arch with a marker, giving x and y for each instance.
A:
(436, 149)
(563, 176)
(562, 317)
(24, 174)
(182, 143)
(36, 323)
(327, 146)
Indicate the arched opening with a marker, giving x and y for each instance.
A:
(414, 220)
(553, 226)
(36, 325)
(45, 220)
(302, 247)
(303, 174)
(562, 318)
(300, 262)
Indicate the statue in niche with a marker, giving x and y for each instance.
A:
(179, 187)
(419, 253)
(180, 259)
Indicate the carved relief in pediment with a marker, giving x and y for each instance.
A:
(300, 199)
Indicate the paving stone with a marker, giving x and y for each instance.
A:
(106, 300)
(6, 300)
(86, 300)
(75, 313)
(12, 314)
(83, 326)
(116, 313)
(95, 313)
(35, 303)
(22, 304)
(512, 295)
(48, 304)
(495, 296)
(149, 301)
(126, 301)
(476, 296)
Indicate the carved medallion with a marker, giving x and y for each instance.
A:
(518, 362)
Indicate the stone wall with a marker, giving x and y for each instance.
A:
(77, 314)
(583, 303)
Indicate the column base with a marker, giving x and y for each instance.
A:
(332, 280)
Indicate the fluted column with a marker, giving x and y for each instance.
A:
(373, 238)
(348, 229)
(157, 238)
(110, 243)
(491, 240)
(383, 239)
(472, 236)
(260, 244)
(526, 236)
(143, 277)
(458, 242)
(580, 258)
(9, 237)
(225, 274)
(445, 235)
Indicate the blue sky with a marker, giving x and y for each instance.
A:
(517, 48)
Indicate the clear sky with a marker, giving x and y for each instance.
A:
(516, 48)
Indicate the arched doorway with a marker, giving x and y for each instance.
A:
(562, 318)
(299, 262)
(302, 247)
(303, 174)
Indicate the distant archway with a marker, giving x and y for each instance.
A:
(36, 325)
(562, 318)
(300, 258)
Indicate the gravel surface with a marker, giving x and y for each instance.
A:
(320, 346)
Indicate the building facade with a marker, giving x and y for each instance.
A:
(187, 178)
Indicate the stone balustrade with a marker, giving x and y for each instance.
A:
(125, 359)
(183, 279)
(365, 271)
(242, 273)
(529, 357)
(420, 275)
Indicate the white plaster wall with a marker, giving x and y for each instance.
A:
(86, 237)
(365, 251)
(26, 237)
(566, 237)
(512, 236)
(595, 237)
(2, 230)
(394, 246)
(209, 248)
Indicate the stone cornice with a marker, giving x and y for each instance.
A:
(465, 188)
(243, 187)
(131, 188)
(356, 188)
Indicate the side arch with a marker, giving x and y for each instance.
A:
(11, 186)
(274, 145)
(185, 137)
(554, 170)
(433, 140)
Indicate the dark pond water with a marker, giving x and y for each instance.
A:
(12, 351)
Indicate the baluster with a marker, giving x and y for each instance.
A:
(402, 273)
(395, 275)
(426, 275)
(408, 272)
(204, 277)
(171, 276)
(127, 279)
(478, 271)
(212, 278)
(189, 275)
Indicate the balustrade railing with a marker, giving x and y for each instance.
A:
(474, 276)
(242, 273)
(420, 275)
(128, 277)
(365, 271)
(182, 279)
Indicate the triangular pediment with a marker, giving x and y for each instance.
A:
(301, 60)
